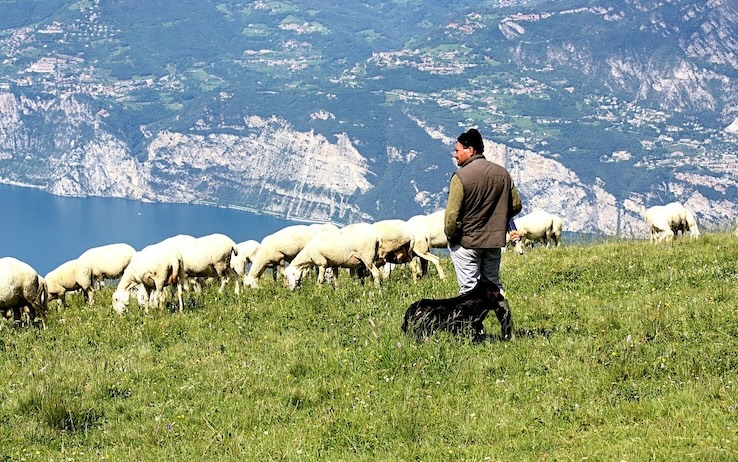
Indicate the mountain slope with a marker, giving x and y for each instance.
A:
(320, 111)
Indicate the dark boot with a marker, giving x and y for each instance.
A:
(504, 315)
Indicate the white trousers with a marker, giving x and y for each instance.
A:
(471, 264)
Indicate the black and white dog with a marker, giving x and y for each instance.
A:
(464, 313)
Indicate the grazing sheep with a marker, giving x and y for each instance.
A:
(434, 225)
(22, 291)
(207, 256)
(246, 252)
(691, 224)
(400, 241)
(436, 238)
(538, 226)
(278, 248)
(458, 314)
(558, 229)
(426, 238)
(395, 241)
(666, 221)
(150, 270)
(68, 277)
(353, 246)
(107, 261)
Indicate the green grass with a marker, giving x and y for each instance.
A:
(625, 351)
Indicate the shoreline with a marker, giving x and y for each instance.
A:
(239, 208)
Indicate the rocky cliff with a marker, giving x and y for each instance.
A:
(270, 167)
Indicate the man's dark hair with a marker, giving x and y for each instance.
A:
(472, 138)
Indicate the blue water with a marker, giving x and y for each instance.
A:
(44, 230)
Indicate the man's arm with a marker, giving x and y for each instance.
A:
(451, 217)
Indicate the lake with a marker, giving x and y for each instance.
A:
(45, 230)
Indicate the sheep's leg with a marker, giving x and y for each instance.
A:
(158, 292)
(436, 262)
(669, 235)
(89, 295)
(386, 269)
(179, 297)
(40, 311)
(231, 274)
(419, 266)
(654, 235)
(375, 273)
(257, 268)
(150, 297)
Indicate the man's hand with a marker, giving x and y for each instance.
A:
(514, 236)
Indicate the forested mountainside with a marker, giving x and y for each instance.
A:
(319, 110)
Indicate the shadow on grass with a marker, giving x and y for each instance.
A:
(523, 333)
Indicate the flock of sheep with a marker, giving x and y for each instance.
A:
(185, 262)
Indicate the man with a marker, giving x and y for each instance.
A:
(482, 200)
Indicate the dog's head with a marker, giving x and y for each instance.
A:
(489, 290)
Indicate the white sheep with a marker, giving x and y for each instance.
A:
(107, 261)
(23, 291)
(665, 221)
(401, 240)
(353, 246)
(558, 229)
(436, 238)
(691, 224)
(538, 226)
(207, 256)
(70, 276)
(246, 252)
(396, 239)
(151, 269)
(434, 225)
(278, 248)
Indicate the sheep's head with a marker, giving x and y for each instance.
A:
(513, 238)
(120, 300)
(519, 246)
(293, 276)
(250, 281)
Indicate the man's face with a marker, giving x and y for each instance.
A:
(461, 153)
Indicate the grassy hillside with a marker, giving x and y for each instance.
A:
(626, 351)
